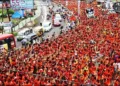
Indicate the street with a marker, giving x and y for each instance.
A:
(54, 30)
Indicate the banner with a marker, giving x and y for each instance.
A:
(21, 4)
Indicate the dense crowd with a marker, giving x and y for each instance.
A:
(87, 54)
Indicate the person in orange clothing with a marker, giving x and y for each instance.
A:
(12, 83)
(116, 82)
(36, 82)
(62, 48)
(27, 84)
(82, 79)
(107, 82)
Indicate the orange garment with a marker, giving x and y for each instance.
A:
(116, 83)
(6, 83)
(29, 84)
(107, 82)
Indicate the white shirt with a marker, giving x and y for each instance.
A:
(117, 64)
(75, 53)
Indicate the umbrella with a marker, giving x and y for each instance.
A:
(18, 14)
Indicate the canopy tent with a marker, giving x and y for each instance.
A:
(18, 14)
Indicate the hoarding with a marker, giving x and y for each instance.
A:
(21, 4)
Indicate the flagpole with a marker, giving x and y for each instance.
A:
(2, 16)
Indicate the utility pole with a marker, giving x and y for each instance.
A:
(2, 10)
(2, 17)
(8, 11)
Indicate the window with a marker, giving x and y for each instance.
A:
(31, 30)
(89, 11)
(8, 40)
(12, 39)
(2, 42)
(27, 32)
(46, 25)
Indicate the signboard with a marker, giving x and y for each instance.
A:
(21, 4)
(5, 4)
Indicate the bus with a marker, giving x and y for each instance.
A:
(7, 41)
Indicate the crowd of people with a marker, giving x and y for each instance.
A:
(89, 54)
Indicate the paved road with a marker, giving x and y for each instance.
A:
(38, 4)
(55, 30)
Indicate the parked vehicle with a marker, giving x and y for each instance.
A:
(47, 25)
(26, 33)
(56, 22)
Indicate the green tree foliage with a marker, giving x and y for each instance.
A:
(11, 11)
(5, 12)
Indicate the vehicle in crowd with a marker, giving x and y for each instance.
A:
(90, 13)
(47, 25)
(27, 34)
(7, 41)
(57, 16)
(56, 22)
(57, 19)
(38, 30)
